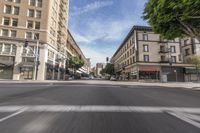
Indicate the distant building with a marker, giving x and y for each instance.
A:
(144, 55)
(99, 68)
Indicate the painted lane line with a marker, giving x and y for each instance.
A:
(183, 118)
(97, 108)
(12, 115)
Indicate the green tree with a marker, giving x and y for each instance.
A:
(109, 69)
(196, 61)
(174, 18)
(75, 63)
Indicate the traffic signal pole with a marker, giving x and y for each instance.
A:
(36, 60)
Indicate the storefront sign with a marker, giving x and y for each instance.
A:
(149, 69)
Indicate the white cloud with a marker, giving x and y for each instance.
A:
(96, 55)
(90, 7)
(106, 30)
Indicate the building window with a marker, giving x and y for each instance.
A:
(173, 49)
(1, 47)
(32, 2)
(185, 42)
(14, 22)
(6, 21)
(145, 48)
(30, 13)
(133, 59)
(5, 32)
(17, 1)
(179, 57)
(29, 24)
(13, 33)
(16, 10)
(28, 35)
(145, 37)
(39, 3)
(7, 48)
(162, 58)
(37, 25)
(37, 36)
(173, 58)
(38, 14)
(146, 58)
(7, 9)
(187, 52)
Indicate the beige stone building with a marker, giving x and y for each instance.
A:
(75, 51)
(32, 20)
(144, 55)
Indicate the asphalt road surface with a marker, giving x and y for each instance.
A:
(82, 108)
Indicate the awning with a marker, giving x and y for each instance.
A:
(27, 64)
(6, 63)
(191, 70)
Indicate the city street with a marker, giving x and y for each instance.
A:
(79, 107)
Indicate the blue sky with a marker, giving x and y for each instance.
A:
(99, 26)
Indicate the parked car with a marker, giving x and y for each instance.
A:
(113, 79)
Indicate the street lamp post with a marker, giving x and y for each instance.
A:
(36, 54)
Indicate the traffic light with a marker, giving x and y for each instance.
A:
(26, 44)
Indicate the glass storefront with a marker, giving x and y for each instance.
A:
(6, 67)
(26, 73)
(6, 72)
(149, 75)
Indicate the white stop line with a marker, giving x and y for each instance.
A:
(186, 114)
(97, 108)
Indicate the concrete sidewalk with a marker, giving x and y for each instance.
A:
(188, 85)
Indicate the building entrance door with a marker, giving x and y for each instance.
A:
(26, 73)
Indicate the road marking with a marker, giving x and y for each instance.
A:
(185, 118)
(12, 115)
(97, 108)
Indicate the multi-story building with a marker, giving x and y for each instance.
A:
(99, 68)
(73, 50)
(32, 21)
(144, 55)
